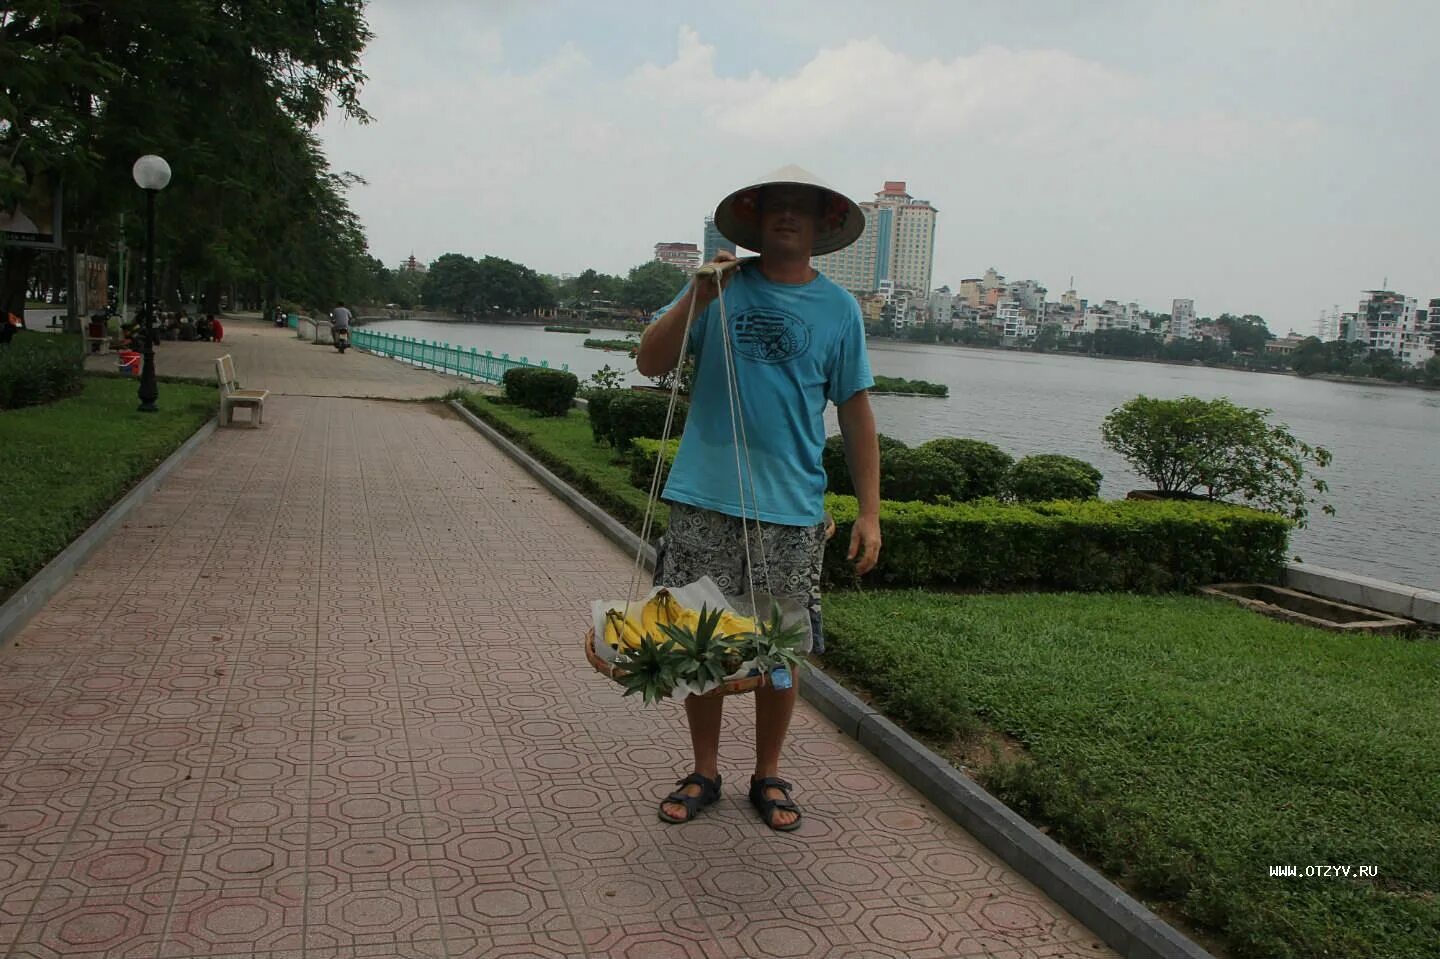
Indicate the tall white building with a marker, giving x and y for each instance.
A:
(1112, 315)
(898, 245)
(1388, 321)
(1182, 320)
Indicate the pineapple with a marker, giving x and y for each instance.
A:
(650, 669)
(776, 645)
(704, 648)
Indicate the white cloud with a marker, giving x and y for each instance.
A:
(1043, 161)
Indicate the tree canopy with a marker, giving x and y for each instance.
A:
(228, 91)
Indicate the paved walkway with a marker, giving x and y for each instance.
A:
(274, 358)
(323, 696)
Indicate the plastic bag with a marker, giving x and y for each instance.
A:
(704, 593)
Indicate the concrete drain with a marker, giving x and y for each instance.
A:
(1309, 610)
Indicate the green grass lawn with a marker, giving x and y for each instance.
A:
(565, 445)
(1185, 746)
(65, 464)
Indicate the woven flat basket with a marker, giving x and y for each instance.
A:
(746, 684)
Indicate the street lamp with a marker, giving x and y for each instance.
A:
(152, 174)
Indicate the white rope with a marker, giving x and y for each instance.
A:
(732, 394)
(738, 438)
(654, 495)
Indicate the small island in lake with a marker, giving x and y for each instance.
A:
(899, 386)
(626, 345)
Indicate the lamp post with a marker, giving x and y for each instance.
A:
(152, 174)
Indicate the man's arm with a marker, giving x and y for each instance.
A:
(664, 340)
(862, 454)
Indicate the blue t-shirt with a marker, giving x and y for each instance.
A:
(795, 347)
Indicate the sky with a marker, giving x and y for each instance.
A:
(1272, 157)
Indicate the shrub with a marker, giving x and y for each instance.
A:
(642, 461)
(837, 471)
(1189, 444)
(597, 408)
(1143, 546)
(919, 475)
(983, 466)
(633, 414)
(1051, 477)
(39, 368)
(547, 392)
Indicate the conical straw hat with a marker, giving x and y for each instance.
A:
(841, 220)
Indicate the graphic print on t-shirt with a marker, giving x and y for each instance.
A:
(770, 335)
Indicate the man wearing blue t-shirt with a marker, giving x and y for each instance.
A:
(797, 341)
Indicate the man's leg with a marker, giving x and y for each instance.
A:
(704, 714)
(793, 555)
(699, 543)
(773, 709)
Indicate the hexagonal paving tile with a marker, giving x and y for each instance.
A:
(357, 766)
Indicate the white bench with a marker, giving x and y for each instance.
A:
(232, 396)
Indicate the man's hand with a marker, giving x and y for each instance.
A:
(864, 543)
(706, 288)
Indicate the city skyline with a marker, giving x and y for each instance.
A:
(1225, 152)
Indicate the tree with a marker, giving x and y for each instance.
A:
(653, 284)
(403, 288)
(1430, 372)
(1189, 444)
(451, 283)
(229, 92)
(1248, 333)
(1047, 339)
(1310, 357)
(1124, 343)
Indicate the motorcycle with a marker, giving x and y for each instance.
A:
(342, 339)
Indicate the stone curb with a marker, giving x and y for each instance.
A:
(38, 590)
(1397, 599)
(1123, 922)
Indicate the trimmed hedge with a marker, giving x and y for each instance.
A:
(547, 392)
(982, 466)
(1139, 546)
(38, 368)
(1049, 476)
(837, 471)
(920, 475)
(634, 414)
(642, 461)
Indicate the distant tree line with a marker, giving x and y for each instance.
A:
(461, 284)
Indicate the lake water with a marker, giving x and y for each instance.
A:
(1384, 481)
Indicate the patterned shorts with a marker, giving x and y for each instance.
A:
(701, 542)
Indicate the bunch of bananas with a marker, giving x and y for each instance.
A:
(628, 628)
